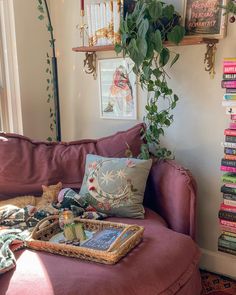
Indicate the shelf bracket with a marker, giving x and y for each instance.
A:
(90, 64)
(210, 55)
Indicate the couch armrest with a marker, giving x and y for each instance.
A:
(171, 192)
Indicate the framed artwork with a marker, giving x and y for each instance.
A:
(118, 89)
(205, 18)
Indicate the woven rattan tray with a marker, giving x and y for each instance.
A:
(119, 248)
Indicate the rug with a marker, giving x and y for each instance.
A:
(214, 284)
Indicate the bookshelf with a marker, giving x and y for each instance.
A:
(209, 59)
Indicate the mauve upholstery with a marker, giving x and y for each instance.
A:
(165, 263)
(26, 164)
(162, 264)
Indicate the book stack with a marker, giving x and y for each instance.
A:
(103, 19)
(227, 212)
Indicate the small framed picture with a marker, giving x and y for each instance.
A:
(205, 18)
(118, 89)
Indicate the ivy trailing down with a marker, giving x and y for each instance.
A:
(144, 32)
(51, 74)
(230, 8)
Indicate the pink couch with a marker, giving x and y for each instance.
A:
(166, 262)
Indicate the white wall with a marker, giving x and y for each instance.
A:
(32, 46)
(195, 135)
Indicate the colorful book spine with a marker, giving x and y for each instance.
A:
(229, 202)
(229, 144)
(228, 190)
(228, 223)
(230, 132)
(230, 90)
(228, 84)
(229, 177)
(229, 76)
(229, 69)
(229, 59)
(225, 242)
(231, 197)
(229, 103)
(230, 138)
(230, 163)
(228, 169)
(226, 215)
(225, 207)
(228, 229)
(229, 96)
(232, 125)
(233, 117)
(229, 151)
(228, 233)
(230, 157)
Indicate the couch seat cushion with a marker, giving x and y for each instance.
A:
(161, 264)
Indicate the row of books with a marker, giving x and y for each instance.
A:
(103, 20)
(227, 212)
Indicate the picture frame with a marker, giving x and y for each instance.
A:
(204, 18)
(117, 89)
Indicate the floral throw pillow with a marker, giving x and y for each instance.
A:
(116, 186)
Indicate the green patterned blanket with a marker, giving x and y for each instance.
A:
(16, 224)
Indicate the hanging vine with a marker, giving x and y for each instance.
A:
(51, 72)
(144, 32)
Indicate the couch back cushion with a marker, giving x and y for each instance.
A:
(25, 164)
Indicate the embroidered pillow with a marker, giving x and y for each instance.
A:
(116, 186)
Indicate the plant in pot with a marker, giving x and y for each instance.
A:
(144, 31)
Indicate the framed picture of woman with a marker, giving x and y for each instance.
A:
(118, 89)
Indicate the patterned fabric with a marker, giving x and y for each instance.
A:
(16, 224)
(116, 186)
(217, 284)
(79, 205)
(10, 240)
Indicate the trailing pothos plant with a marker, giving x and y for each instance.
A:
(143, 33)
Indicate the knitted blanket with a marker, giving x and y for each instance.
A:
(16, 224)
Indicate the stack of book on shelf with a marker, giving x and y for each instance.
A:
(227, 213)
(103, 20)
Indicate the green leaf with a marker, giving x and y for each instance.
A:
(176, 98)
(157, 41)
(155, 10)
(118, 48)
(49, 139)
(40, 17)
(142, 47)
(176, 34)
(143, 28)
(157, 73)
(164, 57)
(40, 8)
(175, 59)
(168, 11)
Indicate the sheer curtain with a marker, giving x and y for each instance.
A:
(10, 101)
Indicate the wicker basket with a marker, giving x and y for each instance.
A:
(40, 240)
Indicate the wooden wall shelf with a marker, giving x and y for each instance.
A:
(209, 60)
(186, 41)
